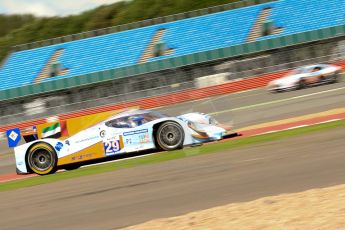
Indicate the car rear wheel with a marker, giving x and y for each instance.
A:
(274, 91)
(170, 136)
(301, 84)
(42, 158)
(323, 79)
(335, 78)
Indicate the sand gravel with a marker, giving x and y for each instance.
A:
(313, 209)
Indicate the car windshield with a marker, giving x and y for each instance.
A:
(134, 120)
(298, 71)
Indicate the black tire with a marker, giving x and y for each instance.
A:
(42, 159)
(170, 136)
(301, 84)
(323, 79)
(335, 78)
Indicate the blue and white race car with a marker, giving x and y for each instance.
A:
(125, 132)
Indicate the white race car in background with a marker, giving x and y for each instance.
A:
(305, 76)
(125, 132)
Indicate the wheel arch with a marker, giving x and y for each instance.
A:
(154, 132)
(32, 144)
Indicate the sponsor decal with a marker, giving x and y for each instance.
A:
(86, 139)
(81, 157)
(58, 146)
(128, 141)
(183, 119)
(102, 134)
(135, 132)
(144, 138)
(13, 137)
(111, 146)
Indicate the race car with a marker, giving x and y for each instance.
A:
(123, 132)
(306, 76)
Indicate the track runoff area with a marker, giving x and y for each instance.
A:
(257, 112)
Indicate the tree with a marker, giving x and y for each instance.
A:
(20, 29)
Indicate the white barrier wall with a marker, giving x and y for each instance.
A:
(214, 79)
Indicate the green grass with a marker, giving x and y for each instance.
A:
(166, 156)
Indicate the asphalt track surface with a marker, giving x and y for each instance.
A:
(131, 196)
(246, 108)
(258, 106)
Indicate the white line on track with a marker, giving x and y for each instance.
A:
(277, 101)
(295, 127)
(330, 121)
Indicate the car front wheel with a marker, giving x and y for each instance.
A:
(170, 136)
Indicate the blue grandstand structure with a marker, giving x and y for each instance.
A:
(187, 36)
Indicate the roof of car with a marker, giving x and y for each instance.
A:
(128, 112)
(315, 65)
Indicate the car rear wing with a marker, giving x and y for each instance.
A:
(58, 129)
(14, 136)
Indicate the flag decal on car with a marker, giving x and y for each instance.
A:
(53, 130)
